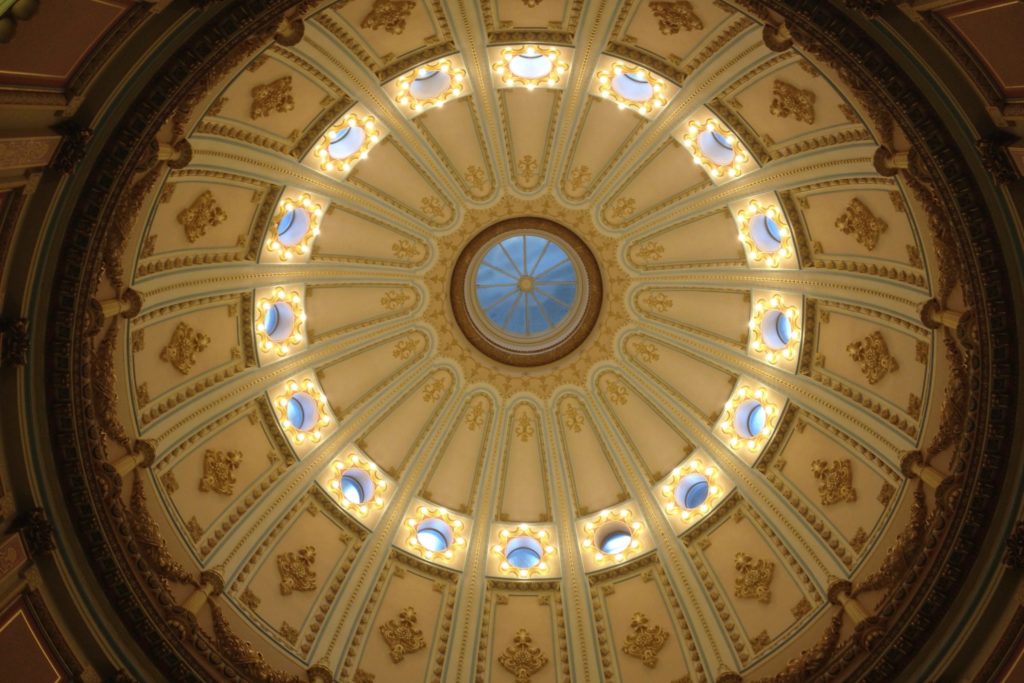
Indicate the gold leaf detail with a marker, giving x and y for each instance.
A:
(645, 641)
(646, 351)
(657, 301)
(527, 167)
(789, 100)
(181, 351)
(394, 299)
(859, 539)
(862, 224)
(405, 250)
(389, 15)
(219, 471)
(873, 355)
(476, 178)
(432, 390)
(524, 426)
(249, 599)
(289, 632)
(404, 348)
(921, 352)
(616, 393)
(760, 641)
(475, 416)
(574, 419)
(521, 660)
(623, 206)
(296, 570)
(432, 207)
(651, 251)
(579, 177)
(755, 578)
(402, 636)
(800, 609)
(204, 213)
(275, 96)
(834, 481)
(674, 16)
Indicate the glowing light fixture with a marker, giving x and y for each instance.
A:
(303, 411)
(692, 490)
(435, 533)
(347, 142)
(297, 223)
(431, 85)
(279, 320)
(715, 149)
(765, 234)
(531, 66)
(774, 329)
(358, 484)
(612, 536)
(524, 551)
(749, 419)
(632, 86)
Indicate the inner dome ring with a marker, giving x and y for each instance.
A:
(553, 344)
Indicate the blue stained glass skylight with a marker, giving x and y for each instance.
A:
(526, 285)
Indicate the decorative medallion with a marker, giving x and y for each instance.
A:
(275, 96)
(402, 636)
(873, 355)
(645, 641)
(181, 351)
(201, 215)
(521, 660)
(858, 221)
(674, 16)
(834, 481)
(790, 101)
(755, 578)
(389, 15)
(219, 471)
(296, 570)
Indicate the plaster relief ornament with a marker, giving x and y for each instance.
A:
(521, 660)
(790, 101)
(673, 16)
(296, 570)
(834, 481)
(755, 578)
(389, 15)
(873, 355)
(402, 636)
(275, 96)
(181, 351)
(858, 221)
(203, 214)
(645, 641)
(219, 471)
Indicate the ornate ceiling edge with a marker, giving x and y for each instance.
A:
(949, 537)
(91, 487)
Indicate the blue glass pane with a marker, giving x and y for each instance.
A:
(554, 310)
(501, 312)
(535, 246)
(432, 539)
(488, 275)
(296, 413)
(523, 558)
(352, 489)
(756, 420)
(616, 542)
(692, 491)
(783, 328)
(517, 323)
(721, 139)
(272, 320)
(563, 272)
(552, 257)
(773, 229)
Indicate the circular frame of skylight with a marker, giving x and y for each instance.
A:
(524, 552)
(531, 66)
(632, 86)
(430, 85)
(279, 320)
(300, 234)
(502, 277)
(715, 148)
(336, 150)
(750, 419)
(356, 485)
(775, 330)
(434, 535)
(692, 491)
(764, 233)
(357, 473)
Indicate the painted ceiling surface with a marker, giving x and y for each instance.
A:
(807, 516)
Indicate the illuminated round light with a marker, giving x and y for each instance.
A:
(692, 491)
(531, 66)
(356, 486)
(614, 538)
(301, 411)
(429, 84)
(750, 419)
(776, 330)
(716, 147)
(279, 321)
(346, 142)
(293, 226)
(633, 87)
(523, 552)
(434, 535)
(766, 232)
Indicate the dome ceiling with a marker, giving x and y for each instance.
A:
(723, 458)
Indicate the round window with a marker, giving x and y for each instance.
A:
(429, 84)
(293, 226)
(692, 491)
(301, 411)
(717, 147)
(766, 232)
(750, 419)
(633, 87)
(532, 66)
(346, 142)
(356, 486)
(279, 321)
(523, 552)
(434, 535)
(614, 538)
(776, 330)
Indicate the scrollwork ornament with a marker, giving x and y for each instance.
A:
(401, 635)
(645, 641)
(521, 659)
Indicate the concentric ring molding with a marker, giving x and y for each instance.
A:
(396, 393)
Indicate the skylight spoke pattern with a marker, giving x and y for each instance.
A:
(526, 285)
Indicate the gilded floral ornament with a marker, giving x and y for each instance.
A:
(389, 15)
(275, 96)
(858, 221)
(873, 355)
(834, 481)
(200, 216)
(645, 641)
(181, 351)
(524, 426)
(219, 471)
(296, 569)
(675, 16)
(574, 418)
(394, 299)
(790, 101)
(520, 659)
(754, 579)
(402, 636)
